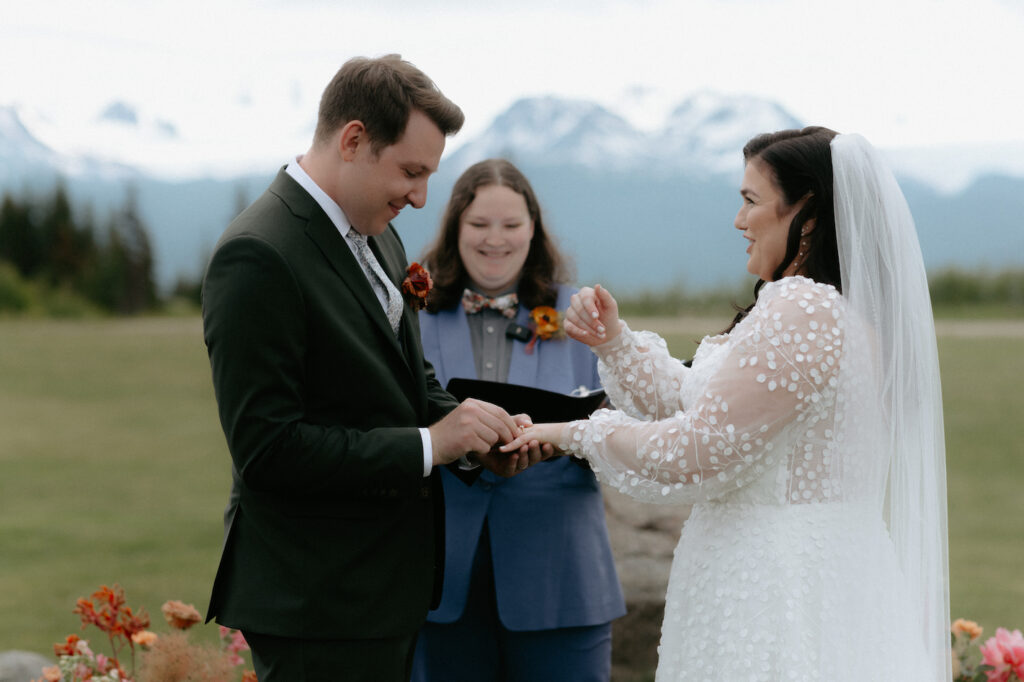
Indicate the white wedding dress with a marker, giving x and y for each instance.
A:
(785, 569)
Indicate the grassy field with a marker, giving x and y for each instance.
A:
(113, 468)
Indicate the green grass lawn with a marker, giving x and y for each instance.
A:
(113, 468)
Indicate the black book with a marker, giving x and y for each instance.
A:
(542, 406)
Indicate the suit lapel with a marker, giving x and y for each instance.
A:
(336, 251)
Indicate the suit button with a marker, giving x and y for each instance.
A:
(424, 493)
(486, 485)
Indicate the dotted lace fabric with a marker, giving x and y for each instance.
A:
(785, 569)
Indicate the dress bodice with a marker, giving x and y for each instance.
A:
(785, 566)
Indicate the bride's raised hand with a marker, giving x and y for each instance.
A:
(593, 316)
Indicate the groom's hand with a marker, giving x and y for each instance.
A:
(509, 463)
(472, 427)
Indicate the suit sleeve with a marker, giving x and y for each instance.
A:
(256, 330)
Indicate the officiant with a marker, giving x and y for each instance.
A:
(530, 587)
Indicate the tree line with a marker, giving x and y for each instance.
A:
(55, 260)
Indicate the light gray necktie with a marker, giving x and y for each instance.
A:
(379, 279)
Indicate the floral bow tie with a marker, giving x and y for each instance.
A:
(506, 305)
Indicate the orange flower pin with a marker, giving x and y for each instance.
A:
(416, 286)
(546, 323)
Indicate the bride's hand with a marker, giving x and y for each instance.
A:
(540, 433)
(593, 316)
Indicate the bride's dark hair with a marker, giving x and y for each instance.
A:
(799, 162)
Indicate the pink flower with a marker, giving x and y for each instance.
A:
(1005, 653)
(233, 642)
(83, 648)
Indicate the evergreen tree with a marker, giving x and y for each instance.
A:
(20, 242)
(63, 265)
(131, 259)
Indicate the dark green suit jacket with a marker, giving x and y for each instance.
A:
(332, 531)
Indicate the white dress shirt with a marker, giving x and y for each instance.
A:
(341, 222)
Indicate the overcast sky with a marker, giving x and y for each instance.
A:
(902, 72)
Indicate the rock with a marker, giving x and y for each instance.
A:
(22, 666)
(643, 538)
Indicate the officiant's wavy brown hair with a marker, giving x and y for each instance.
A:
(381, 93)
(545, 266)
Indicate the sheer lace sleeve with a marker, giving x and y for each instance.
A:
(639, 375)
(776, 382)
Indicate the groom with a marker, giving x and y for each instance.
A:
(335, 423)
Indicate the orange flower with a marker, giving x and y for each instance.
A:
(133, 623)
(967, 627)
(110, 614)
(68, 648)
(546, 323)
(416, 286)
(249, 676)
(144, 638)
(51, 673)
(180, 615)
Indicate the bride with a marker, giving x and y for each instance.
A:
(808, 437)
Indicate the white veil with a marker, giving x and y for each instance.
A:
(883, 279)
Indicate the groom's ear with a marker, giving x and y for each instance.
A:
(353, 136)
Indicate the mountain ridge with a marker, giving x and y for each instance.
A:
(632, 205)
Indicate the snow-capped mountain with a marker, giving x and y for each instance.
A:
(26, 160)
(21, 153)
(639, 129)
(707, 131)
(700, 135)
(551, 130)
(614, 179)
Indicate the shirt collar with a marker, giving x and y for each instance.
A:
(328, 204)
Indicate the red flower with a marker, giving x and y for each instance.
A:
(416, 286)
(68, 648)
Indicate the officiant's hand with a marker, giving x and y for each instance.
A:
(545, 434)
(473, 427)
(593, 316)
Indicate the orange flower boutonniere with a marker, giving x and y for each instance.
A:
(416, 286)
(546, 323)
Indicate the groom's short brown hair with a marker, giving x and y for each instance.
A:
(381, 93)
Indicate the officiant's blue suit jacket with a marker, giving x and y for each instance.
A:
(553, 565)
